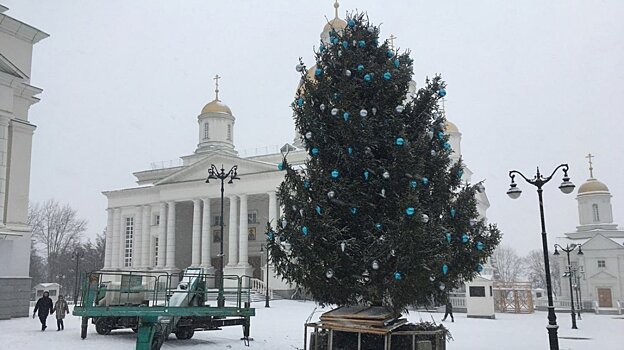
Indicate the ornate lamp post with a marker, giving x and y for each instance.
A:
(216, 174)
(77, 254)
(579, 271)
(514, 192)
(570, 274)
(264, 247)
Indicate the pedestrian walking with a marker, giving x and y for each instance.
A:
(44, 307)
(448, 311)
(61, 310)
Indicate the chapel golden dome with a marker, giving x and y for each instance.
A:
(450, 127)
(593, 185)
(216, 106)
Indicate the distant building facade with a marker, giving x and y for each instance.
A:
(600, 269)
(16, 131)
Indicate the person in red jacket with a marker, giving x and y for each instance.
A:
(45, 308)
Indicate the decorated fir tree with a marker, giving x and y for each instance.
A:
(379, 214)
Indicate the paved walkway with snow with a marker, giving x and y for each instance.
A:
(281, 328)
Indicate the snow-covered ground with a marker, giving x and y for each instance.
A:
(281, 328)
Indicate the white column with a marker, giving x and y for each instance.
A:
(116, 239)
(243, 240)
(206, 239)
(171, 235)
(146, 253)
(233, 233)
(196, 243)
(162, 235)
(273, 209)
(4, 157)
(109, 240)
(137, 235)
(122, 240)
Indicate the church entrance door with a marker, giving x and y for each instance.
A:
(604, 297)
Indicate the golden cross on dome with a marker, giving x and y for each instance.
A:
(391, 38)
(591, 169)
(336, 6)
(216, 79)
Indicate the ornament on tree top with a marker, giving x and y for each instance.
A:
(351, 23)
(442, 92)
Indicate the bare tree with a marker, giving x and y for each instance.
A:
(56, 228)
(536, 272)
(508, 266)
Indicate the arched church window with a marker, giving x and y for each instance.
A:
(595, 212)
(229, 132)
(206, 130)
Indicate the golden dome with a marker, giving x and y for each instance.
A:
(338, 24)
(216, 106)
(450, 127)
(593, 185)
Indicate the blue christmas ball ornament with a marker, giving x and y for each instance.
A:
(351, 23)
(367, 77)
(441, 92)
(448, 237)
(465, 238)
(350, 150)
(345, 44)
(366, 174)
(440, 135)
(413, 184)
(460, 173)
(397, 63)
(479, 268)
(453, 211)
(480, 245)
(335, 173)
(300, 102)
(410, 211)
(425, 181)
(322, 48)
(318, 72)
(387, 75)
(331, 39)
(354, 211)
(362, 43)
(445, 269)
(360, 67)
(345, 116)
(390, 53)
(446, 146)
(280, 166)
(378, 227)
(399, 141)
(315, 151)
(318, 210)
(306, 184)
(304, 230)
(270, 235)
(397, 276)
(335, 41)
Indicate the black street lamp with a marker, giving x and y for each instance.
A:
(77, 254)
(579, 295)
(216, 174)
(570, 274)
(514, 192)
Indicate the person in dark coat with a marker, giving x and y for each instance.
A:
(45, 308)
(448, 311)
(61, 310)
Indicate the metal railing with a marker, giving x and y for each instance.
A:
(260, 287)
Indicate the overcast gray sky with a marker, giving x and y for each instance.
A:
(529, 83)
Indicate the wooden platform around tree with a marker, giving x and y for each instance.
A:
(364, 319)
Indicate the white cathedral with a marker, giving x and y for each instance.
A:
(171, 220)
(600, 269)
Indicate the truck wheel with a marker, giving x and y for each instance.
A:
(184, 333)
(102, 327)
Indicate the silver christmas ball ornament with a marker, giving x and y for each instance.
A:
(322, 107)
(299, 67)
(347, 73)
(334, 111)
(331, 194)
(329, 273)
(363, 113)
(386, 175)
(308, 135)
(375, 265)
(400, 109)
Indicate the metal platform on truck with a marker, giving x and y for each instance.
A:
(146, 302)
